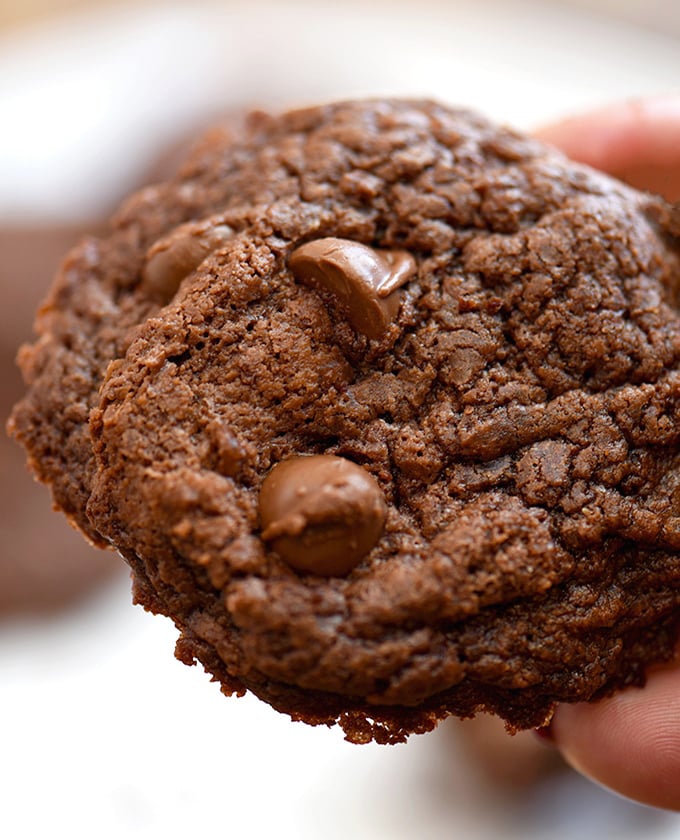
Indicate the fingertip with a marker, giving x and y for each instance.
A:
(594, 138)
(629, 743)
(618, 137)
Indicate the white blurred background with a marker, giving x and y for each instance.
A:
(102, 733)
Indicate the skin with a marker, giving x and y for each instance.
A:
(630, 743)
(638, 141)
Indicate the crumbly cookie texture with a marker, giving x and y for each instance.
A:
(381, 403)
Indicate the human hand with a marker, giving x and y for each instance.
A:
(629, 742)
(637, 141)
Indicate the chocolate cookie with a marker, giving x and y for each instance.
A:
(381, 403)
(45, 566)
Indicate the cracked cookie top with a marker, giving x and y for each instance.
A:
(381, 403)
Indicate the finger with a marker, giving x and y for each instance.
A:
(638, 141)
(629, 743)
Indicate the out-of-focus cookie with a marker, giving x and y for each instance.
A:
(44, 564)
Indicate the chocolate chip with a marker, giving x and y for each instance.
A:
(173, 258)
(321, 513)
(365, 281)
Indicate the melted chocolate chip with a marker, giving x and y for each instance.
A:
(173, 258)
(321, 513)
(364, 281)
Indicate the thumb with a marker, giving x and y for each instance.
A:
(630, 742)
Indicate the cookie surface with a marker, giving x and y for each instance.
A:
(485, 332)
